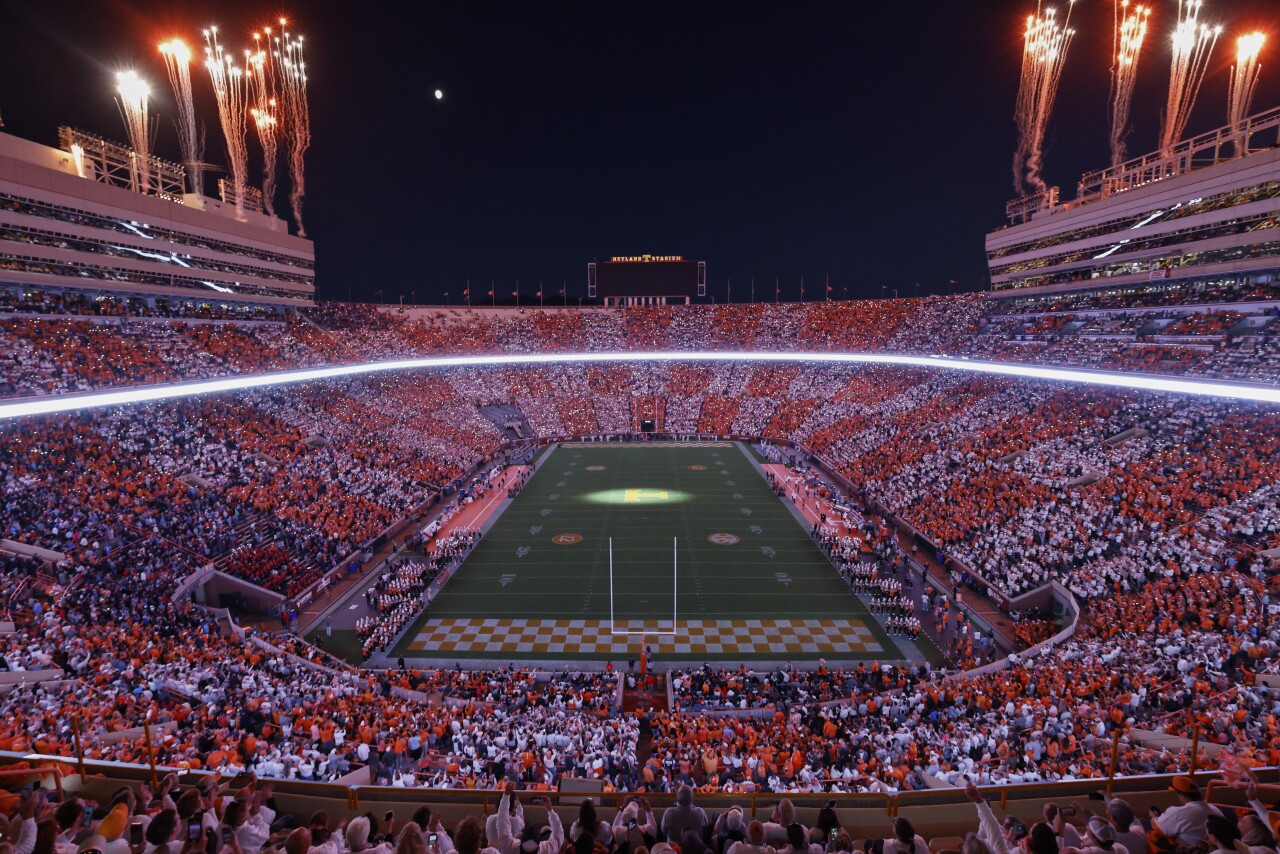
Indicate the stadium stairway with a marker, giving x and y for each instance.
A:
(973, 600)
(509, 419)
(640, 698)
(636, 703)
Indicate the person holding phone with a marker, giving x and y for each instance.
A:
(137, 833)
(193, 806)
(517, 817)
(70, 816)
(357, 835)
(989, 829)
(639, 811)
(249, 816)
(24, 821)
(730, 829)
(509, 843)
(165, 834)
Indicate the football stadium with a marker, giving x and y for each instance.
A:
(679, 547)
(653, 561)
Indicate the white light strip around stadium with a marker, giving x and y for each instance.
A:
(1144, 382)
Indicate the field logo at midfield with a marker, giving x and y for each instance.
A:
(643, 494)
(595, 468)
(697, 468)
(566, 539)
(723, 539)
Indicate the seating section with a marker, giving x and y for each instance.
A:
(1156, 511)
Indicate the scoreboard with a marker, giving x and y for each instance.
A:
(646, 279)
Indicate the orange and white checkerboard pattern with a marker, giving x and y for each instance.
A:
(567, 638)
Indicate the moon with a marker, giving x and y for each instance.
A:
(439, 94)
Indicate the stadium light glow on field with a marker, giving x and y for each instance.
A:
(635, 497)
(1140, 382)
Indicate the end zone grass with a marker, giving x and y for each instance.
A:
(740, 557)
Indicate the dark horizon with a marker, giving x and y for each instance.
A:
(873, 147)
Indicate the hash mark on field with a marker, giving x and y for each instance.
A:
(555, 496)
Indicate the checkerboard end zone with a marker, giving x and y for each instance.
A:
(825, 637)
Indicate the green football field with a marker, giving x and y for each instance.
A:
(700, 544)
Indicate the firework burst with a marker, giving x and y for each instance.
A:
(1129, 34)
(1045, 43)
(261, 71)
(230, 91)
(1193, 44)
(1244, 78)
(177, 62)
(295, 114)
(134, 94)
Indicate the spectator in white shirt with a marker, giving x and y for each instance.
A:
(508, 842)
(1185, 824)
(358, 838)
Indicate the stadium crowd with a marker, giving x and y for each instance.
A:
(1153, 510)
(240, 815)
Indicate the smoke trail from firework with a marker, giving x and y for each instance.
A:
(296, 115)
(229, 88)
(134, 93)
(177, 61)
(1193, 44)
(1244, 78)
(1044, 52)
(1130, 31)
(261, 70)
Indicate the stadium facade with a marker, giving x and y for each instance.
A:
(72, 219)
(1202, 214)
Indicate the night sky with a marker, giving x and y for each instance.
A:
(868, 143)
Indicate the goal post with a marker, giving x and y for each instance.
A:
(625, 629)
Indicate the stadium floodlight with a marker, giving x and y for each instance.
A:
(142, 394)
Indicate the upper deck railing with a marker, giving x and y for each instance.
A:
(1229, 142)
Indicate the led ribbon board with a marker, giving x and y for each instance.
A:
(143, 394)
